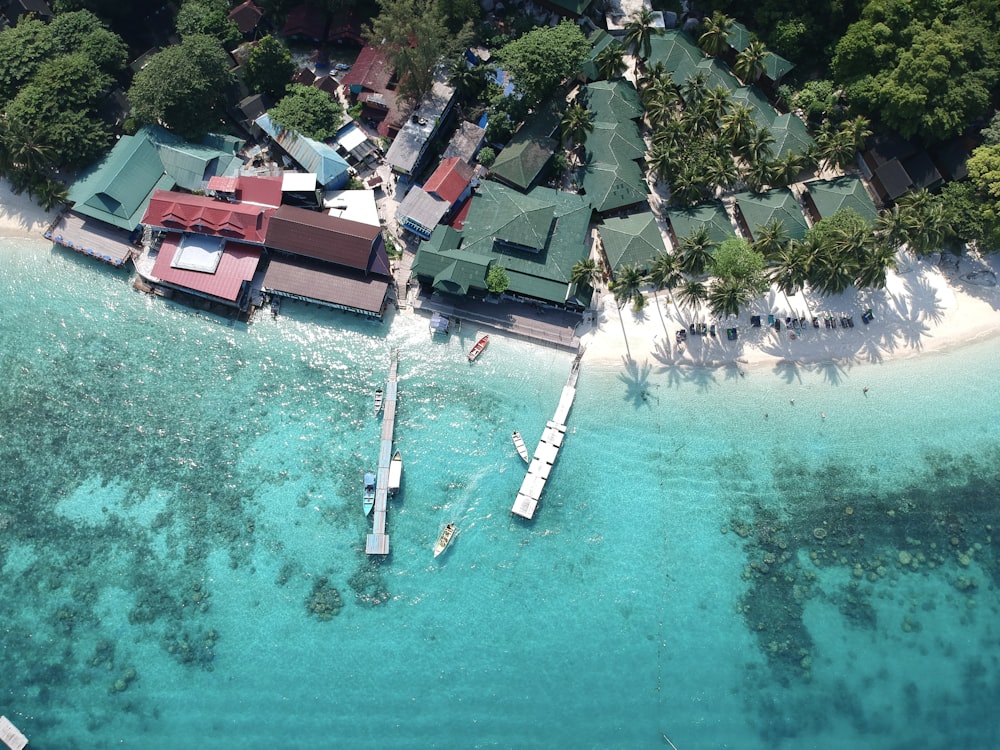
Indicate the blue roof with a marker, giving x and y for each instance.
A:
(318, 158)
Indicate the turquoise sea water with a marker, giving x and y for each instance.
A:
(181, 539)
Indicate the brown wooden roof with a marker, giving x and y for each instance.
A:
(328, 238)
(315, 281)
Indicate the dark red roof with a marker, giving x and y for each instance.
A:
(265, 191)
(371, 71)
(238, 264)
(323, 283)
(305, 20)
(198, 213)
(449, 180)
(324, 237)
(345, 27)
(246, 16)
(459, 221)
(304, 76)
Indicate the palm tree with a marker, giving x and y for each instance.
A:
(696, 251)
(715, 37)
(757, 148)
(727, 297)
(638, 33)
(786, 169)
(469, 81)
(626, 287)
(836, 148)
(750, 62)
(692, 294)
(737, 125)
(660, 159)
(926, 222)
(770, 239)
(757, 175)
(874, 267)
(577, 121)
(890, 228)
(858, 129)
(694, 89)
(609, 62)
(661, 106)
(687, 187)
(834, 274)
(24, 149)
(717, 102)
(585, 272)
(721, 171)
(52, 193)
(664, 273)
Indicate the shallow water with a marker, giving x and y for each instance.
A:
(182, 496)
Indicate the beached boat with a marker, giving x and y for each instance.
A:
(378, 401)
(522, 449)
(478, 348)
(395, 473)
(369, 496)
(445, 539)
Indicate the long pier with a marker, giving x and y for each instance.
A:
(547, 449)
(378, 540)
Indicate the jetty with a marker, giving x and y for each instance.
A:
(547, 449)
(378, 540)
(11, 735)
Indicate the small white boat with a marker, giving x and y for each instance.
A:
(522, 449)
(475, 351)
(445, 539)
(378, 401)
(369, 496)
(395, 473)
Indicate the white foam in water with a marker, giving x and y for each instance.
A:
(633, 606)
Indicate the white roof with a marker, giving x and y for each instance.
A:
(353, 205)
(350, 138)
(297, 182)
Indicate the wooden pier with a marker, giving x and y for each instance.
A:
(10, 735)
(547, 449)
(378, 540)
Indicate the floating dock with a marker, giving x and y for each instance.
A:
(547, 449)
(378, 540)
(10, 735)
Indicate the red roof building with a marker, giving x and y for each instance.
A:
(371, 82)
(450, 181)
(181, 212)
(246, 16)
(316, 235)
(305, 21)
(236, 266)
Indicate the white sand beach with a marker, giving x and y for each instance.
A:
(20, 216)
(927, 305)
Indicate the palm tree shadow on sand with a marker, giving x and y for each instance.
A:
(636, 380)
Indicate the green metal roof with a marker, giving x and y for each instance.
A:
(599, 40)
(847, 191)
(615, 141)
(676, 50)
(717, 74)
(790, 134)
(611, 185)
(522, 160)
(497, 210)
(116, 189)
(633, 240)
(712, 215)
(192, 164)
(776, 67)
(739, 36)
(612, 101)
(778, 204)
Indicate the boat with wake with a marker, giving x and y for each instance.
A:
(445, 539)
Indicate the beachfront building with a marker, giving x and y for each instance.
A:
(536, 237)
(631, 241)
(712, 216)
(612, 178)
(327, 260)
(310, 155)
(754, 210)
(110, 197)
(406, 154)
(823, 198)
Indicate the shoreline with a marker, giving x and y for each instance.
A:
(20, 216)
(926, 306)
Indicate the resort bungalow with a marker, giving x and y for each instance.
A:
(535, 237)
(327, 260)
(712, 216)
(372, 83)
(523, 160)
(631, 241)
(754, 210)
(823, 198)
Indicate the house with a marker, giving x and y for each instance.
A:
(536, 237)
(823, 198)
(423, 208)
(371, 82)
(12, 10)
(775, 66)
(523, 160)
(305, 22)
(754, 210)
(631, 240)
(405, 155)
(895, 166)
(327, 260)
(599, 40)
(712, 215)
(465, 142)
(312, 156)
(246, 16)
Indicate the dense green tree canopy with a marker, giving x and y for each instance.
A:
(543, 58)
(269, 68)
(308, 111)
(183, 87)
(209, 17)
(736, 260)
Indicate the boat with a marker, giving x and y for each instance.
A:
(275, 306)
(445, 539)
(378, 401)
(395, 472)
(478, 348)
(369, 496)
(522, 449)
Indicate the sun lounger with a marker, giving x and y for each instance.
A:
(867, 316)
(712, 330)
(731, 334)
(815, 322)
(755, 321)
